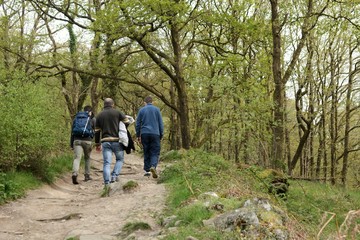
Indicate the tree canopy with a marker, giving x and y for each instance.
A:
(273, 83)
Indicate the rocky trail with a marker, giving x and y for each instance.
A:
(63, 210)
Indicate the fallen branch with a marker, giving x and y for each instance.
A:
(327, 222)
(188, 184)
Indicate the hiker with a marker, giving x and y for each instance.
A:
(82, 134)
(149, 132)
(107, 134)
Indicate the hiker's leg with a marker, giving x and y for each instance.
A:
(119, 156)
(155, 151)
(146, 141)
(78, 151)
(87, 146)
(107, 156)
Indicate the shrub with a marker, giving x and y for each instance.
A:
(30, 126)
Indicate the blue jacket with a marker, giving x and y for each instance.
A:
(149, 121)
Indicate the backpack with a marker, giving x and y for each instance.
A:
(82, 125)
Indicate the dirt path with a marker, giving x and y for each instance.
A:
(64, 210)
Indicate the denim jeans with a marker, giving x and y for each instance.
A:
(151, 147)
(80, 147)
(108, 148)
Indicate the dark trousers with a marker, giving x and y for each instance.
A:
(151, 146)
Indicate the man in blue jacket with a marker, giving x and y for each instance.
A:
(149, 131)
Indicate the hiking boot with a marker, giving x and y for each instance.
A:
(153, 172)
(106, 191)
(74, 179)
(114, 179)
(147, 174)
(87, 177)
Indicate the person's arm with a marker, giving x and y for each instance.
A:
(72, 137)
(122, 117)
(138, 126)
(97, 136)
(161, 126)
(97, 139)
(93, 124)
(97, 131)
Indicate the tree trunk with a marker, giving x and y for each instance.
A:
(323, 145)
(181, 86)
(184, 117)
(333, 121)
(320, 152)
(305, 128)
(279, 91)
(347, 122)
(311, 116)
(94, 58)
(174, 140)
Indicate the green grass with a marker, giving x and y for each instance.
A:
(313, 204)
(202, 233)
(14, 184)
(56, 167)
(134, 226)
(188, 178)
(309, 204)
(193, 214)
(130, 185)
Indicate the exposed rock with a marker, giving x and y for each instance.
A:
(217, 206)
(208, 195)
(257, 219)
(277, 182)
(258, 203)
(191, 238)
(168, 220)
(240, 218)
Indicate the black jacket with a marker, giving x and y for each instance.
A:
(131, 145)
(107, 125)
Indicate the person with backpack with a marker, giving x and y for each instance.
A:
(149, 132)
(107, 139)
(82, 134)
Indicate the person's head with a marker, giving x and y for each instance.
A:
(148, 99)
(108, 102)
(88, 108)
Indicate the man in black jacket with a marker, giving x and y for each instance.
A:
(107, 134)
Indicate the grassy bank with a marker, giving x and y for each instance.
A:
(13, 185)
(314, 209)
